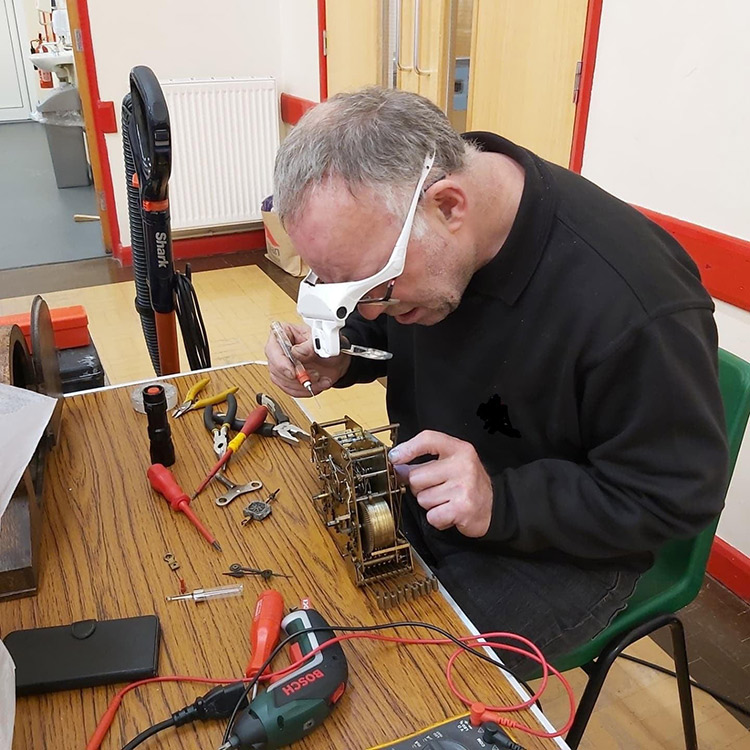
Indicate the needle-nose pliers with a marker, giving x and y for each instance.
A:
(192, 401)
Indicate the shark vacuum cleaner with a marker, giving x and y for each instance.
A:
(162, 294)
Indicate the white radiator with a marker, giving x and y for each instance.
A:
(225, 134)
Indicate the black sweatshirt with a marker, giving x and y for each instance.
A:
(581, 363)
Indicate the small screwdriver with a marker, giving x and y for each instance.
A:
(299, 369)
(207, 595)
(264, 632)
(162, 480)
(252, 423)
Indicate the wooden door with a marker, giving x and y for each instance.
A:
(354, 36)
(423, 53)
(523, 71)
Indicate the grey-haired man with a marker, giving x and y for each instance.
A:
(554, 365)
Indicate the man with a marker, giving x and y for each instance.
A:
(554, 365)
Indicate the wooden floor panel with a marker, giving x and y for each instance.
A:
(638, 707)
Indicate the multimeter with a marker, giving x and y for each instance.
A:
(453, 734)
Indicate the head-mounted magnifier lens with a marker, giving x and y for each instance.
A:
(325, 307)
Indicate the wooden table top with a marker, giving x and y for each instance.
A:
(104, 539)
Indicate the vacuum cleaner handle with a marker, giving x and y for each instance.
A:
(152, 145)
(150, 140)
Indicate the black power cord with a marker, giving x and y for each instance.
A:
(193, 329)
(150, 732)
(499, 738)
(718, 696)
(217, 703)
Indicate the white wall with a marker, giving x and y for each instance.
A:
(670, 111)
(195, 39)
(669, 130)
(299, 48)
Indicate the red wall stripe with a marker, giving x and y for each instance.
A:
(731, 567)
(293, 107)
(723, 261)
(105, 116)
(201, 247)
(588, 63)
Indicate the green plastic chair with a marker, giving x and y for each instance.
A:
(672, 583)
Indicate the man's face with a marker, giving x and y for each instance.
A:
(346, 237)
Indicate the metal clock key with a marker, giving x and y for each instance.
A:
(257, 510)
(235, 490)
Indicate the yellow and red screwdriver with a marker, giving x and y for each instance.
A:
(264, 633)
(252, 424)
(163, 481)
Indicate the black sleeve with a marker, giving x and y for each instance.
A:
(652, 422)
(372, 333)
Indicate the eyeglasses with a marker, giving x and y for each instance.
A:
(325, 307)
(386, 299)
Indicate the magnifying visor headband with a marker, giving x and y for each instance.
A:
(325, 307)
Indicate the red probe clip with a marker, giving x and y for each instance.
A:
(264, 632)
(162, 480)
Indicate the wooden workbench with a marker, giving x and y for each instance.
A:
(105, 536)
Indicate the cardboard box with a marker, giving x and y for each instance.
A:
(279, 248)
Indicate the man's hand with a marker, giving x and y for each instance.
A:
(453, 488)
(323, 372)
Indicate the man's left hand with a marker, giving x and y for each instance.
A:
(453, 488)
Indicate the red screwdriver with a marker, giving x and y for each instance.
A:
(252, 423)
(165, 484)
(264, 632)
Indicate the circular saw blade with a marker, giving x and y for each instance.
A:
(44, 358)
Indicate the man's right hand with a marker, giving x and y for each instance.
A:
(323, 372)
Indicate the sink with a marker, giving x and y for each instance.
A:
(59, 63)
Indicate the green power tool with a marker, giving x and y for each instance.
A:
(292, 707)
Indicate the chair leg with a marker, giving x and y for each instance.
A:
(598, 670)
(682, 670)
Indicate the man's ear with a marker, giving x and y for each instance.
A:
(451, 200)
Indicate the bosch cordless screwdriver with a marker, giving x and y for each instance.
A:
(299, 702)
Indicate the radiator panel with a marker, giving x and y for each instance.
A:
(225, 134)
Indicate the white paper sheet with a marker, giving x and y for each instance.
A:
(23, 418)
(7, 698)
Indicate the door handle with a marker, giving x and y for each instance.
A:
(398, 39)
(417, 25)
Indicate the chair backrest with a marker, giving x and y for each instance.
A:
(677, 573)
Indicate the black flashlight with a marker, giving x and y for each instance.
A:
(159, 432)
